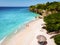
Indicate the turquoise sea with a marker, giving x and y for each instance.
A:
(12, 17)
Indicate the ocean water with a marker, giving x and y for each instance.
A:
(12, 17)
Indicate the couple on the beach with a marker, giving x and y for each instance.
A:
(42, 40)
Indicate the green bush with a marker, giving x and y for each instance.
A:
(52, 22)
(57, 39)
(49, 6)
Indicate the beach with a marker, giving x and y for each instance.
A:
(28, 35)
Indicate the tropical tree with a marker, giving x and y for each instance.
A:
(32, 8)
(57, 39)
(53, 7)
(52, 22)
(41, 6)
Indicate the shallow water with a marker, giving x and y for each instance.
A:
(11, 17)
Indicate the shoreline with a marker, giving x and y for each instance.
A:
(20, 28)
(27, 36)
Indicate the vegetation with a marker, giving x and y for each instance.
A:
(53, 25)
(52, 19)
(32, 8)
(52, 22)
(49, 6)
(57, 39)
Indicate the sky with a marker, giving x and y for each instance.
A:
(19, 3)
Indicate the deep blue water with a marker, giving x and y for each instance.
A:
(12, 17)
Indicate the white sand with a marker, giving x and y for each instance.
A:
(28, 35)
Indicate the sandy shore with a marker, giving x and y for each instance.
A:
(28, 35)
